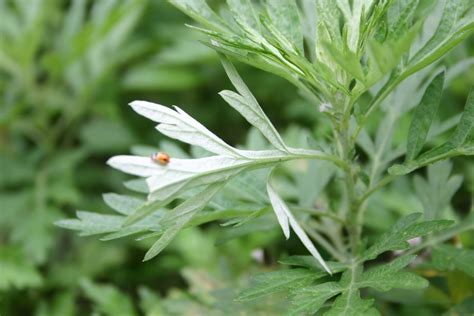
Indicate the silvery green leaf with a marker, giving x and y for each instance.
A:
(282, 211)
(285, 17)
(457, 23)
(245, 11)
(423, 117)
(248, 107)
(466, 123)
(201, 12)
(179, 125)
(122, 203)
(184, 212)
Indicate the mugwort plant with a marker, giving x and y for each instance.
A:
(365, 66)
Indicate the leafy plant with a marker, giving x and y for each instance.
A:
(352, 59)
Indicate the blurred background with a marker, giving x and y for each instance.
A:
(68, 69)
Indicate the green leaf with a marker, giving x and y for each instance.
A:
(310, 299)
(387, 276)
(406, 228)
(446, 257)
(123, 204)
(201, 12)
(248, 107)
(285, 17)
(17, 272)
(436, 192)
(466, 123)
(423, 117)
(183, 213)
(108, 299)
(245, 12)
(277, 281)
(438, 153)
(350, 304)
(457, 23)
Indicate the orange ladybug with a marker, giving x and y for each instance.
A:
(161, 158)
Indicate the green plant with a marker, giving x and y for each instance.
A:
(352, 59)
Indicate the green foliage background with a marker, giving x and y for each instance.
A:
(67, 71)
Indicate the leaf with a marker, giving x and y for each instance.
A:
(436, 192)
(455, 25)
(423, 117)
(446, 257)
(248, 107)
(277, 281)
(282, 211)
(179, 125)
(438, 153)
(184, 213)
(466, 122)
(350, 304)
(310, 263)
(17, 272)
(310, 299)
(406, 228)
(245, 11)
(108, 299)
(123, 204)
(387, 276)
(200, 11)
(285, 17)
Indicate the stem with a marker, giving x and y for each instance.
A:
(346, 147)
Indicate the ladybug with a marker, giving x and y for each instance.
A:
(161, 158)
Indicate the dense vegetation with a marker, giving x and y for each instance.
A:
(355, 138)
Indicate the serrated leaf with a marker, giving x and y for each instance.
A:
(277, 281)
(423, 117)
(350, 304)
(310, 299)
(406, 228)
(446, 257)
(387, 276)
(248, 107)
(179, 125)
(281, 210)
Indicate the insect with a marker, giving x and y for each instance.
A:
(161, 158)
